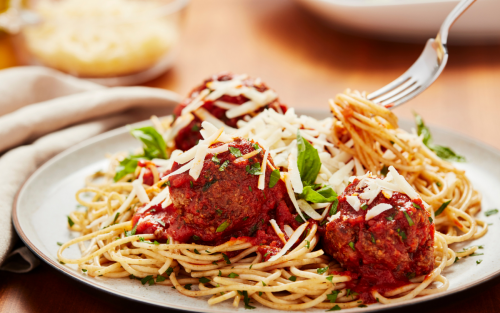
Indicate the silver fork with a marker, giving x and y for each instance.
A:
(425, 70)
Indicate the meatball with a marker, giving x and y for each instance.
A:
(189, 135)
(391, 247)
(224, 201)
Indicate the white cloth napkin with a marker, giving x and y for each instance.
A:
(42, 113)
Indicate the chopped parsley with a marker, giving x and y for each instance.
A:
(430, 220)
(191, 183)
(220, 274)
(146, 279)
(402, 234)
(253, 169)
(263, 283)
(222, 226)
(323, 222)
(226, 258)
(256, 146)
(215, 159)
(329, 278)
(188, 286)
(438, 184)
(364, 207)
(250, 188)
(219, 212)
(245, 218)
(477, 254)
(333, 296)
(233, 275)
(479, 261)
(292, 278)
(224, 165)
(204, 280)
(196, 251)
(322, 270)
(246, 300)
(195, 128)
(235, 151)
(335, 308)
(408, 218)
(84, 270)
(308, 244)
(267, 253)
(196, 237)
(362, 306)
(416, 206)
(274, 178)
(59, 243)
(132, 232)
(442, 207)
(410, 275)
(373, 237)
(160, 278)
(351, 244)
(116, 217)
(390, 217)
(70, 222)
(169, 271)
(208, 184)
(487, 213)
(384, 170)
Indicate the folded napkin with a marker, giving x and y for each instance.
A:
(42, 113)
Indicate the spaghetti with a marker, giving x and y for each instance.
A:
(361, 136)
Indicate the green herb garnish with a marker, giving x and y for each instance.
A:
(222, 226)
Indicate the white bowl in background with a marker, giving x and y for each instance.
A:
(410, 20)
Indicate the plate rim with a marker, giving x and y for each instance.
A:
(130, 297)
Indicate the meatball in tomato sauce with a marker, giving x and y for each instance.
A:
(227, 97)
(223, 203)
(385, 248)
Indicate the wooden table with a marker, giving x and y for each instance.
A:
(307, 63)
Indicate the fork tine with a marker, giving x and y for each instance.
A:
(409, 96)
(398, 81)
(411, 81)
(401, 95)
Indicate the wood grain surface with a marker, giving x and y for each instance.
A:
(306, 62)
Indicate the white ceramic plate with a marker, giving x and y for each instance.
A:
(410, 20)
(49, 195)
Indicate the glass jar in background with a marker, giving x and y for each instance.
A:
(111, 42)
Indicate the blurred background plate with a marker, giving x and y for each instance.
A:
(410, 20)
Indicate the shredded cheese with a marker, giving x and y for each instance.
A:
(304, 206)
(278, 230)
(293, 239)
(262, 177)
(376, 210)
(353, 202)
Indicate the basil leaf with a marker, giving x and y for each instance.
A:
(235, 151)
(325, 194)
(127, 166)
(274, 178)
(154, 145)
(308, 161)
(253, 169)
(444, 153)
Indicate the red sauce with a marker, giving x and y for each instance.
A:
(190, 135)
(220, 205)
(385, 250)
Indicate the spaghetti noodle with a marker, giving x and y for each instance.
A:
(361, 136)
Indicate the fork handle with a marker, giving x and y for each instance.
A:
(459, 9)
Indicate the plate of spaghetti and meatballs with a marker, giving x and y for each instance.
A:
(237, 201)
